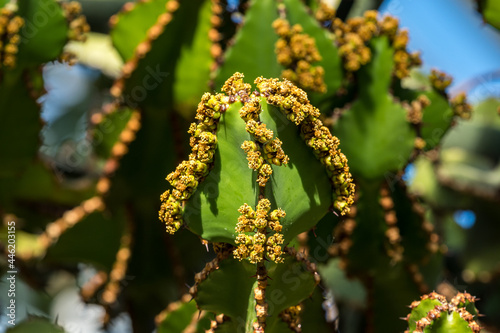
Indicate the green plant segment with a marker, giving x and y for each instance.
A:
(265, 130)
(434, 314)
(25, 44)
(253, 174)
(463, 177)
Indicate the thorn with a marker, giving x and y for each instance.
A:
(336, 214)
(206, 245)
(403, 318)
(56, 320)
(199, 315)
(187, 285)
(314, 232)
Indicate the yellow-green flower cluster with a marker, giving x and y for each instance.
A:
(259, 222)
(353, 36)
(325, 14)
(10, 25)
(439, 80)
(291, 316)
(415, 109)
(188, 174)
(460, 106)
(78, 25)
(295, 105)
(264, 150)
(297, 51)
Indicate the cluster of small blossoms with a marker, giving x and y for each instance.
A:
(415, 109)
(325, 14)
(10, 25)
(297, 51)
(78, 25)
(460, 106)
(294, 103)
(353, 37)
(264, 150)
(188, 174)
(457, 304)
(291, 316)
(254, 247)
(143, 48)
(439, 80)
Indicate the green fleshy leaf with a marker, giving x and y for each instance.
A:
(413, 237)
(230, 327)
(36, 325)
(450, 323)
(306, 204)
(108, 131)
(289, 283)
(132, 26)
(491, 12)
(393, 291)
(278, 326)
(221, 294)
(19, 143)
(375, 135)
(44, 33)
(436, 119)
(193, 69)
(315, 317)
(40, 184)
(212, 211)
(368, 239)
(470, 153)
(75, 244)
(151, 83)
(331, 61)
(426, 185)
(346, 291)
(179, 319)
(421, 311)
(253, 49)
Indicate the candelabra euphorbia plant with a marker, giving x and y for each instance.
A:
(262, 169)
(263, 165)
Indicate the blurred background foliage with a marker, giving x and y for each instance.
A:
(83, 185)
